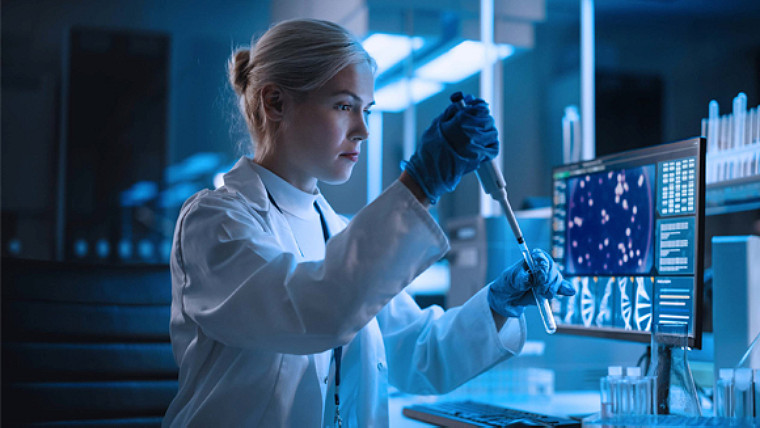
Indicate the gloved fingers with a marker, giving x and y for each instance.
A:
(448, 114)
(541, 266)
(480, 128)
(480, 135)
(514, 279)
(550, 288)
(480, 151)
(470, 100)
(541, 256)
(547, 277)
(502, 307)
(565, 289)
(474, 107)
(526, 299)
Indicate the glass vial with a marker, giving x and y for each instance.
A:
(610, 391)
(743, 393)
(724, 393)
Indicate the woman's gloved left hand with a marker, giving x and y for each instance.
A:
(511, 292)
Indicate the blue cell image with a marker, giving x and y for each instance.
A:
(610, 222)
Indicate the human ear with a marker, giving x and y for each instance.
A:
(272, 98)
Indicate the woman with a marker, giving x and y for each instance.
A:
(272, 324)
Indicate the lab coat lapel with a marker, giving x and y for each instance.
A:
(335, 223)
(245, 181)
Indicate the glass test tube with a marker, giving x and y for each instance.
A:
(544, 308)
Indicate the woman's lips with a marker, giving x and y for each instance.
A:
(352, 156)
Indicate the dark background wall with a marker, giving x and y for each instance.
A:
(199, 112)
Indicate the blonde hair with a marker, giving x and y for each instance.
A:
(298, 56)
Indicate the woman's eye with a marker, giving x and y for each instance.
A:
(344, 107)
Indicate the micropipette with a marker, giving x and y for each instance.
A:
(493, 183)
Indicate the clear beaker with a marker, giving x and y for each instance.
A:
(676, 391)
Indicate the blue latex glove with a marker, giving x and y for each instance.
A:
(456, 143)
(510, 293)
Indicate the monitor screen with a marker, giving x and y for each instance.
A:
(627, 232)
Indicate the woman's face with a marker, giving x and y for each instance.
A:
(321, 136)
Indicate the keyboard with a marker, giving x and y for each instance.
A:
(465, 414)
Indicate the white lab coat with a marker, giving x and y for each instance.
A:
(250, 317)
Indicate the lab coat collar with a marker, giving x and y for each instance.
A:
(287, 197)
(244, 180)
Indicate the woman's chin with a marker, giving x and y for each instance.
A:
(338, 178)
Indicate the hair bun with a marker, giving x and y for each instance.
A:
(239, 67)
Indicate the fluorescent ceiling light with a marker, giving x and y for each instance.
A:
(398, 95)
(460, 62)
(390, 49)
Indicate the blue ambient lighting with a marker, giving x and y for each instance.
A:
(139, 193)
(390, 49)
(461, 61)
(194, 167)
(400, 94)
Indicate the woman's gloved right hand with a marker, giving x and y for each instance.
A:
(456, 143)
(512, 290)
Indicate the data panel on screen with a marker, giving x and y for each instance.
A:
(627, 232)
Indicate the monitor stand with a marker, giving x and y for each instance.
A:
(676, 391)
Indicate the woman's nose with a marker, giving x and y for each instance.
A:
(360, 128)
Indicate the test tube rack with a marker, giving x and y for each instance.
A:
(733, 141)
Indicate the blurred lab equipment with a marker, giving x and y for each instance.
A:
(733, 141)
(736, 297)
(676, 391)
(571, 135)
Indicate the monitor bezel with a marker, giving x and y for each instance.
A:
(694, 341)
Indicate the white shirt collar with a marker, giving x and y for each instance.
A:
(286, 196)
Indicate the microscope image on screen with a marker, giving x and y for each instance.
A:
(610, 219)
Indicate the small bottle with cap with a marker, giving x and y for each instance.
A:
(743, 393)
(610, 391)
(724, 393)
(627, 401)
(642, 387)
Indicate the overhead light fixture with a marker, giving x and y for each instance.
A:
(390, 49)
(399, 95)
(461, 62)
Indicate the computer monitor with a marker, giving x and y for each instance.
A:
(627, 232)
